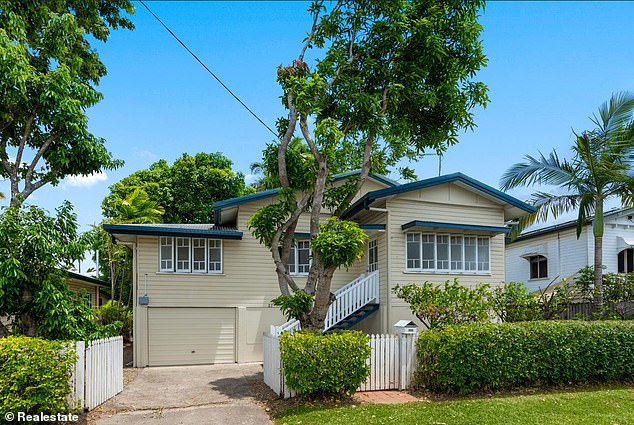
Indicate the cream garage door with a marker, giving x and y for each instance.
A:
(185, 336)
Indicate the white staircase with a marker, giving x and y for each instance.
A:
(349, 300)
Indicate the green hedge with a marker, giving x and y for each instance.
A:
(484, 357)
(332, 365)
(34, 375)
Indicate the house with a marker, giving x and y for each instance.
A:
(553, 253)
(203, 291)
(89, 285)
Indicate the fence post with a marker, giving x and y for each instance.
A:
(407, 359)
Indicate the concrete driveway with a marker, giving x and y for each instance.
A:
(196, 395)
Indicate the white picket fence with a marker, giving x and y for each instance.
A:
(392, 364)
(98, 372)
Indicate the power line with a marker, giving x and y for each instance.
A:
(208, 70)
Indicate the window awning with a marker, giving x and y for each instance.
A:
(624, 243)
(418, 224)
(534, 250)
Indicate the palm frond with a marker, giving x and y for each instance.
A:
(542, 170)
(546, 205)
(614, 114)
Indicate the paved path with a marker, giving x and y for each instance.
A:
(196, 395)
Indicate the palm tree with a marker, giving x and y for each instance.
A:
(138, 208)
(600, 169)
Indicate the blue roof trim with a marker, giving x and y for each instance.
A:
(233, 202)
(172, 231)
(472, 227)
(370, 197)
(372, 226)
(301, 235)
(88, 279)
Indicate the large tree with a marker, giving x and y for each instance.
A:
(35, 251)
(393, 80)
(186, 190)
(49, 74)
(601, 168)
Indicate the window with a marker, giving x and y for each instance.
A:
(442, 252)
(445, 253)
(215, 255)
(199, 259)
(299, 258)
(626, 261)
(538, 266)
(182, 255)
(373, 256)
(456, 253)
(190, 255)
(167, 255)
(413, 251)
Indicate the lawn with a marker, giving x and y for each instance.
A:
(592, 406)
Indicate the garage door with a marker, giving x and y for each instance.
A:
(184, 336)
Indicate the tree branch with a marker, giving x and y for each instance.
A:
(36, 159)
(25, 135)
(288, 135)
(312, 32)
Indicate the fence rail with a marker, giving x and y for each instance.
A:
(98, 372)
(392, 363)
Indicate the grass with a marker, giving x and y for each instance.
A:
(591, 406)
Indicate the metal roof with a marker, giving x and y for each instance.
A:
(183, 230)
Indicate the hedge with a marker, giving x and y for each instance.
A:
(34, 375)
(331, 365)
(488, 357)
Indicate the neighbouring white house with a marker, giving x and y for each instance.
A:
(203, 291)
(553, 253)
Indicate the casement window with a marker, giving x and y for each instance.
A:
(190, 255)
(183, 255)
(166, 253)
(538, 267)
(447, 253)
(373, 256)
(299, 258)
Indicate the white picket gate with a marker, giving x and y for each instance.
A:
(392, 364)
(98, 372)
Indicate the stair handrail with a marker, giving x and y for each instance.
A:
(349, 298)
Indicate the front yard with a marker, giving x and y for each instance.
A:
(588, 406)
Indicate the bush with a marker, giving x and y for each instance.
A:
(332, 365)
(440, 306)
(116, 314)
(488, 357)
(512, 302)
(35, 375)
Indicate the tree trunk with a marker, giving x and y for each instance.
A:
(28, 326)
(598, 274)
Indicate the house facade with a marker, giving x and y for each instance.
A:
(90, 286)
(204, 291)
(541, 256)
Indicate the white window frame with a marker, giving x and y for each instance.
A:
(189, 254)
(373, 251)
(208, 263)
(171, 259)
(193, 258)
(174, 255)
(294, 251)
(463, 260)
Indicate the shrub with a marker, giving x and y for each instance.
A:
(35, 375)
(114, 313)
(512, 302)
(332, 365)
(488, 357)
(294, 306)
(440, 306)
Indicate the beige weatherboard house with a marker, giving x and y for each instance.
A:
(204, 291)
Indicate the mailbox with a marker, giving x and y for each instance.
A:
(405, 327)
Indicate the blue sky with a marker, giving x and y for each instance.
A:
(551, 64)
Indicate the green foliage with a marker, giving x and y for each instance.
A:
(300, 166)
(490, 357)
(339, 243)
(185, 190)
(294, 306)
(115, 313)
(265, 221)
(35, 248)
(512, 302)
(440, 306)
(618, 291)
(332, 365)
(35, 375)
(49, 76)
